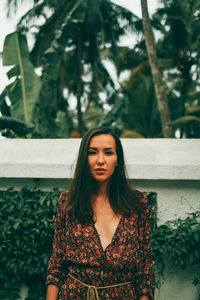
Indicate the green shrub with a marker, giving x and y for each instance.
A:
(179, 242)
(26, 230)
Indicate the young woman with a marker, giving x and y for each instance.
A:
(101, 245)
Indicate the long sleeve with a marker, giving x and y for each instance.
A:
(57, 270)
(143, 278)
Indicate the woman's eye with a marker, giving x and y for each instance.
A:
(108, 152)
(91, 152)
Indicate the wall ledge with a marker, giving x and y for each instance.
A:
(157, 159)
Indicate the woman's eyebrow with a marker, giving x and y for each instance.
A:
(94, 148)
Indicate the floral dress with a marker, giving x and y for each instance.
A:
(77, 250)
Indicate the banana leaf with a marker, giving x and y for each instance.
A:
(63, 124)
(92, 117)
(24, 90)
(19, 128)
(54, 53)
(115, 113)
(185, 120)
(75, 14)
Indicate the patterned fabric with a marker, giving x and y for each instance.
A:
(77, 250)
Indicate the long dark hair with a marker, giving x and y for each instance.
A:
(122, 197)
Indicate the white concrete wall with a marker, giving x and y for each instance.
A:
(178, 285)
(169, 167)
(176, 198)
(156, 159)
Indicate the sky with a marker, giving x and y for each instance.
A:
(8, 25)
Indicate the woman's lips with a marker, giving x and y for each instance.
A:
(100, 171)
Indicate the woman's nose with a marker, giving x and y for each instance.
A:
(100, 160)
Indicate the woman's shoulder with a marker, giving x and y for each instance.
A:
(62, 204)
(142, 201)
(64, 195)
(141, 197)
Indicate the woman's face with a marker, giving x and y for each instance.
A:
(102, 157)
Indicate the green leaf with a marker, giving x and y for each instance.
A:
(31, 85)
(63, 124)
(15, 71)
(196, 236)
(15, 47)
(93, 116)
(185, 120)
(17, 223)
(53, 56)
(23, 92)
(15, 125)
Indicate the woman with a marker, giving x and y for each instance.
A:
(101, 245)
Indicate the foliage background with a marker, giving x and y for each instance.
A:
(27, 225)
(71, 43)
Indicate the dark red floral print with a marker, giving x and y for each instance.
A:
(77, 250)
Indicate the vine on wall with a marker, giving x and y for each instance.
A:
(26, 228)
(179, 242)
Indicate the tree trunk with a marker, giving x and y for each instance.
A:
(79, 84)
(156, 73)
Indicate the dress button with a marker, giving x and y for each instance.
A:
(101, 275)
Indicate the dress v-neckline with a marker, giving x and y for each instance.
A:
(113, 237)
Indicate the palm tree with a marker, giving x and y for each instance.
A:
(178, 45)
(73, 42)
(157, 77)
(80, 30)
(138, 115)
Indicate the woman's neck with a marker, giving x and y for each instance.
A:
(102, 189)
(101, 197)
(101, 201)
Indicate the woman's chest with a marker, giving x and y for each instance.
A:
(84, 244)
(107, 227)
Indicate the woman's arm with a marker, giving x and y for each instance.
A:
(143, 276)
(57, 269)
(52, 292)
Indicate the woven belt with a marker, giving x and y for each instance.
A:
(92, 292)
